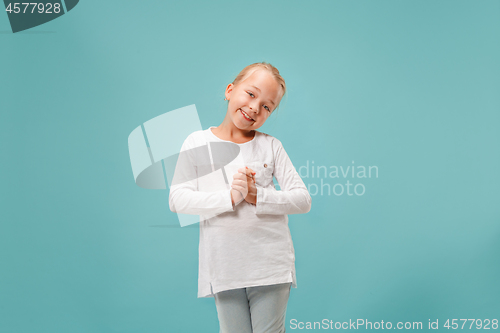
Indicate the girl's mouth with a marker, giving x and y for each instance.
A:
(246, 116)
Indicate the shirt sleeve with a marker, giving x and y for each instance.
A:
(184, 196)
(293, 197)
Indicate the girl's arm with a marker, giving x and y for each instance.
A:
(185, 198)
(293, 198)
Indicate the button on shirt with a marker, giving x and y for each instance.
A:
(243, 245)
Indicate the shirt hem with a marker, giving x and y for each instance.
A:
(290, 277)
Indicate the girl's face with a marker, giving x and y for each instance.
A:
(252, 100)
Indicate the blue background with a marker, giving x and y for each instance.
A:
(411, 87)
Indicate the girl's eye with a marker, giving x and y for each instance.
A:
(251, 95)
(265, 106)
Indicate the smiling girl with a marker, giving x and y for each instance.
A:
(247, 259)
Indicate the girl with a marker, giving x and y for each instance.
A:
(247, 260)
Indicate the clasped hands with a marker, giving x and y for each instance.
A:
(243, 187)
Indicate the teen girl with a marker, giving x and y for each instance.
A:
(246, 254)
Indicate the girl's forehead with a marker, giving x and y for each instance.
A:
(261, 79)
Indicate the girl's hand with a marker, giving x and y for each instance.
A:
(243, 186)
(239, 187)
(252, 190)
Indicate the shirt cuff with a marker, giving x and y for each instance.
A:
(259, 198)
(272, 201)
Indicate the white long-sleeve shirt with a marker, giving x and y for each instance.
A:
(245, 245)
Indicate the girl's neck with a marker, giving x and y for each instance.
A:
(227, 131)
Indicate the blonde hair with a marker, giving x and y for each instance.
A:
(247, 71)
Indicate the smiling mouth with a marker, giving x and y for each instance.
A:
(246, 116)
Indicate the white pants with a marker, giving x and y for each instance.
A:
(260, 309)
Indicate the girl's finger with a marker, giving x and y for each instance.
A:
(241, 183)
(240, 176)
(250, 173)
(240, 189)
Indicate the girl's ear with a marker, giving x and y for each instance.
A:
(229, 89)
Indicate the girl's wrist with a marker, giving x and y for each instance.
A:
(251, 199)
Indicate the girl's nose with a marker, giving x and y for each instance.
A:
(255, 107)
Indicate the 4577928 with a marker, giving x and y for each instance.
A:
(25, 7)
(471, 324)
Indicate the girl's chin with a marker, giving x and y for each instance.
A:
(250, 127)
(242, 124)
